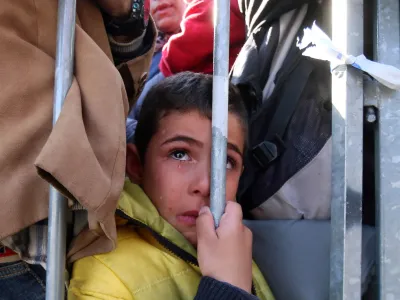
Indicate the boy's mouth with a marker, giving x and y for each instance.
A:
(188, 217)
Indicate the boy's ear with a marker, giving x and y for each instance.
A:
(134, 167)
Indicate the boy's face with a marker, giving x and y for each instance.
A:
(176, 172)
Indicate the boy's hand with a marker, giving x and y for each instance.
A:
(116, 8)
(225, 254)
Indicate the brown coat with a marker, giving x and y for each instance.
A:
(84, 154)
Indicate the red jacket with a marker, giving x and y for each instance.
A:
(192, 48)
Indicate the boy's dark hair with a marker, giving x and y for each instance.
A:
(183, 92)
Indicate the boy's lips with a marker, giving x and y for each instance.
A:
(188, 217)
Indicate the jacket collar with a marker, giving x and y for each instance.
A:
(136, 206)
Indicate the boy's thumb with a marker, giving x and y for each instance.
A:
(205, 225)
(204, 210)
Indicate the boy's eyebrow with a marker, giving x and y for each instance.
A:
(189, 140)
(183, 138)
(235, 148)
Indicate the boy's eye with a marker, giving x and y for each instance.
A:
(179, 155)
(230, 163)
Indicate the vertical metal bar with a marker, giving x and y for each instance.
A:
(220, 108)
(56, 246)
(347, 137)
(387, 51)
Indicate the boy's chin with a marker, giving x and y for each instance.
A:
(189, 232)
(191, 237)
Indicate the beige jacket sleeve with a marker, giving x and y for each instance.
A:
(84, 154)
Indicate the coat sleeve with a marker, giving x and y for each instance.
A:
(134, 61)
(187, 50)
(212, 289)
(192, 48)
(92, 279)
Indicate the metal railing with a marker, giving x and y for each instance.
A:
(348, 98)
(349, 95)
(220, 108)
(347, 159)
(56, 248)
(387, 51)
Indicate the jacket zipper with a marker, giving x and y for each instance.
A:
(167, 244)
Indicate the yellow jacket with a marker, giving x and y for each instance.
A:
(152, 259)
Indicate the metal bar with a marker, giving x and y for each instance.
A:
(56, 246)
(220, 108)
(347, 137)
(387, 51)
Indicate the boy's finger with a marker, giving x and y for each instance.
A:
(205, 225)
(233, 213)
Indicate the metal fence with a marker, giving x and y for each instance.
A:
(350, 93)
(56, 248)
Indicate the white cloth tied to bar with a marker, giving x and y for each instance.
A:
(323, 49)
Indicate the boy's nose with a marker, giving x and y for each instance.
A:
(200, 182)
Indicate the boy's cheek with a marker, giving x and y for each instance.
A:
(230, 196)
(178, 168)
(232, 184)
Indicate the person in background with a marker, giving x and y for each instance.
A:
(192, 48)
(83, 155)
(167, 15)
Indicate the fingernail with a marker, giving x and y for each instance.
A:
(203, 210)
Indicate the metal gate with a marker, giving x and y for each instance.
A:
(350, 93)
